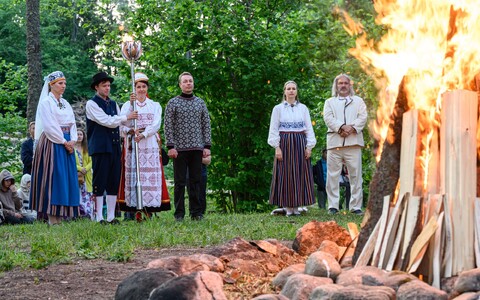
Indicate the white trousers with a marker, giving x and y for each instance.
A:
(352, 158)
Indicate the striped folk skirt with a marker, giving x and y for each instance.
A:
(292, 181)
(54, 186)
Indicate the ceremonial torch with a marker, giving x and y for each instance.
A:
(131, 51)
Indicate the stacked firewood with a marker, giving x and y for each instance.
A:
(430, 227)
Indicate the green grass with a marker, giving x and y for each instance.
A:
(40, 245)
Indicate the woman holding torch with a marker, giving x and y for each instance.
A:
(150, 169)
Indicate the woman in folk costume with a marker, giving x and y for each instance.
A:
(54, 194)
(84, 171)
(150, 167)
(291, 134)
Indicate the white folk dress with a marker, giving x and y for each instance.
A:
(149, 120)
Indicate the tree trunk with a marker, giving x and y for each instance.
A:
(386, 176)
(34, 59)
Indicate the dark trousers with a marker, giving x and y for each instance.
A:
(203, 193)
(322, 198)
(348, 195)
(106, 172)
(190, 161)
(9, 219)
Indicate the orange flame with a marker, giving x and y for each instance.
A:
(434, 43)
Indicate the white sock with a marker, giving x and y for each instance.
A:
(289, 210)
(99, 208)
(111, 202)
(295, 211)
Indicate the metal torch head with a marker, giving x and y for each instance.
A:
(131, 50)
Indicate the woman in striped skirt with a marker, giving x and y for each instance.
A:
(291, 134)
(55, 194)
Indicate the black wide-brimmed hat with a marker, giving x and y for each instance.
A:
(99, 77)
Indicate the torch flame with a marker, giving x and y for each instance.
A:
(127, 38)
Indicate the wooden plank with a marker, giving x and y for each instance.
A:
(392, 257)
(411, 224)
(437, 253)
(353, 231)
(458, 146)
(367, 250)
(477, 232)
(448, 242)
(383, 223)
(419, 247)
(432, 207)
(408, 152)
(392, 226)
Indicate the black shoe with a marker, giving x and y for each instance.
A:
(114, 222)
(103, 222)
(332, 211)
(197, 218)
(358, 212)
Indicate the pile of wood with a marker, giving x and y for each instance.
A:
(430, 227)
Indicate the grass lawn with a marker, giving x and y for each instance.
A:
(40, 245)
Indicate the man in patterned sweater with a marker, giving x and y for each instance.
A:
(188, 135)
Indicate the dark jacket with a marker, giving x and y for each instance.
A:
(26, 155)
(102, 139)
(318, 176)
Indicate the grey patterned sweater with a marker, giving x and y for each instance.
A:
(187, 124)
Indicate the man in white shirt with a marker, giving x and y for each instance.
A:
(345, 116)
(103, 135)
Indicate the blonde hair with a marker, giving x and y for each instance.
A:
(285, 86)
(334, 86)
(183, 74)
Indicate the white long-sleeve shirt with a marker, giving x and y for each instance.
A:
(149, 117)
(290, 118)
(54, 116)
(96, 114)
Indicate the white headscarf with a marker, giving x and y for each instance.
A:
(49, 80)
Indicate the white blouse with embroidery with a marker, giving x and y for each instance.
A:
(290, 118)
(55, 114)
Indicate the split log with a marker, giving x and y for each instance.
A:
(458, 175)
(448, 240)
(385, 179)
(477, 232)
(368, 248)
(420, 245)
(381, 233)
(391, 231)
(397, 240)
(437, 254)
(413, 227)
(353, 231)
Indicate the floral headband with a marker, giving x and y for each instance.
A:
(54, 77)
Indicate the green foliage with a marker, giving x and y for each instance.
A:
(13, 91)
(240, 54)
(13, 130)
(39, 245)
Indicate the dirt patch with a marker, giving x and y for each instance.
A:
(82, 279)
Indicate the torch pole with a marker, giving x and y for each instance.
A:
(138, 185)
